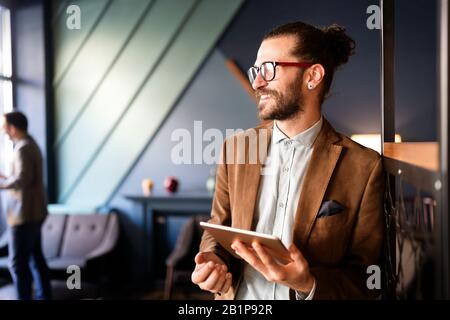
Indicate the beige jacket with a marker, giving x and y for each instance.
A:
(26, 201)
(338, 248)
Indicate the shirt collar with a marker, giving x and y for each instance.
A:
(305, 138)
(19, 143)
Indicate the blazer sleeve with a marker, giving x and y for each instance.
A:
(221, 210)
(365, 248)
(23, 174)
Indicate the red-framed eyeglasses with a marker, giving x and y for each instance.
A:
(268, 69)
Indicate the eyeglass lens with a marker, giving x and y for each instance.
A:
(267, 70)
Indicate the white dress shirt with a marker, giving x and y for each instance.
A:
(278, 197)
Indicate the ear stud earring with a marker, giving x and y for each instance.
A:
(310, 86)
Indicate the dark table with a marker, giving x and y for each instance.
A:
(153, 207)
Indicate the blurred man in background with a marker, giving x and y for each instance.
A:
(26, 211)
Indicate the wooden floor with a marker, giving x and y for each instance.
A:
(178, 295)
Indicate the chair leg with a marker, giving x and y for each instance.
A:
(169, 283)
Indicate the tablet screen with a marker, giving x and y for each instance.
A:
(227, 235)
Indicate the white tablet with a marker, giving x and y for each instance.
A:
(227, 235)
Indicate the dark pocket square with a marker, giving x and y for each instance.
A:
(330, 208)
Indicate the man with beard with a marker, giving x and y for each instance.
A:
(322, 196)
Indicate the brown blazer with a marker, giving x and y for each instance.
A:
(338, 248)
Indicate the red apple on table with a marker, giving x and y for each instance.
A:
(171, 184)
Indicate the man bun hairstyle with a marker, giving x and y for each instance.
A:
(17, 119)
(329, 46)
(341, 46)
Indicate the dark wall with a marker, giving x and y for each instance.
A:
(416, 70)
(6, 3)
(353, 106)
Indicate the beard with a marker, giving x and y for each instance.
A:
(281, 106)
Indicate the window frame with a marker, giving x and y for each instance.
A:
(6, 76)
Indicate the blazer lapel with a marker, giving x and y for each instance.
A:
(323, 160)
(252, 175)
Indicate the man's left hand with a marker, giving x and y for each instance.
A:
(295, 275)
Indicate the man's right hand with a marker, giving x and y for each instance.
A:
(211, 273)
